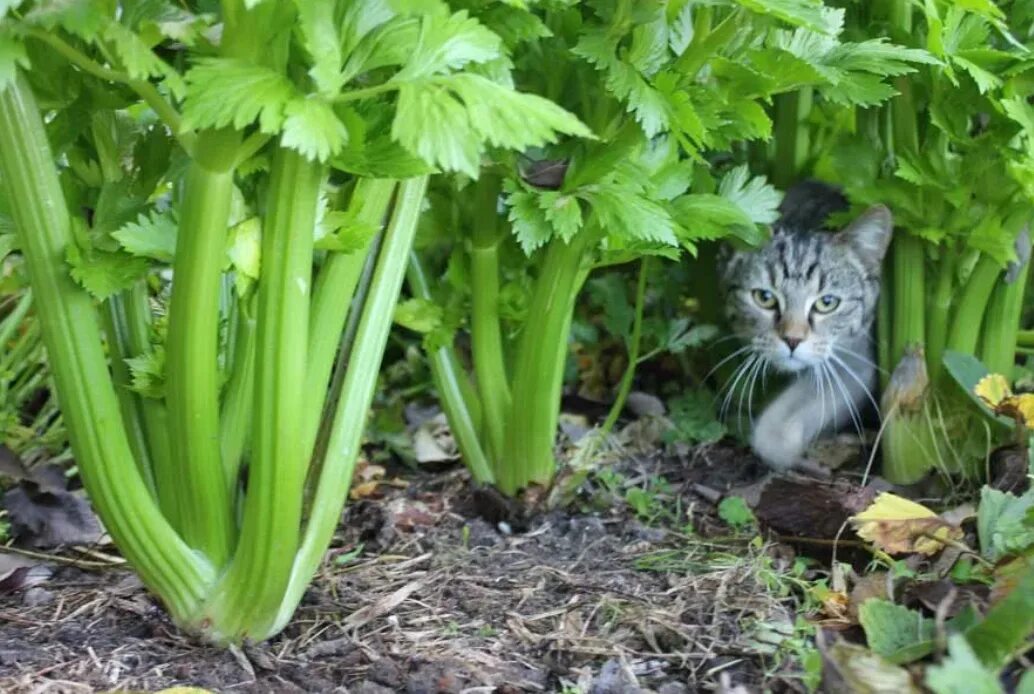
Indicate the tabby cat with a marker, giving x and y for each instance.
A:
(804, 305)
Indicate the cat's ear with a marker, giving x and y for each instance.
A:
(869, 235)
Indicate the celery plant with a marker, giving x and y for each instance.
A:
(667, 87)
(951, 155)
(275, 156)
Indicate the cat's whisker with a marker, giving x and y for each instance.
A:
(762, 367)
(741, 350)
(820, 386)
(861, 384)
(745, 389)
(740, 371)
(730, 393)
(851, 409)
(860, 357)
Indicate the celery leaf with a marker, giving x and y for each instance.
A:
(321, 40)
(225, 91)
(447, 43)
(152, 235)
(313, 129)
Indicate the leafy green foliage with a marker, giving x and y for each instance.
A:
(961, 672)
(734, 511)
(1004, 524)
(151, 236)
(225, 92)
(895, 632)
(694, 419)
(104, 273)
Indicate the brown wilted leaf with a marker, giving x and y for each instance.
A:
(1007, 576)
(868, 586)
(897, 526)
(44, 514)
(366, 479)
(20, 573)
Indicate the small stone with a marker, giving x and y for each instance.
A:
(614, 679)
(34, 597)
(673, 688)
(648, 534)
(386, 672)
(482, 534)
(645, 405)
(368, 687)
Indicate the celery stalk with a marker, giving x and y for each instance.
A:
(332, 295)
(486, 338)
(455, 391)
(248, 595)
(539, 368)
(72, 335)
(192, 371)
(349, 420)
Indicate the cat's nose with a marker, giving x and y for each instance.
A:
(792, 342)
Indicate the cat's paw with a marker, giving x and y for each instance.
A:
(779, 444)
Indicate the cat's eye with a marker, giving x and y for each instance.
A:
(826, 303)
(764, 298)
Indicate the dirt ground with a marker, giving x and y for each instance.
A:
(422, 594)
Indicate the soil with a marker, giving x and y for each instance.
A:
(421, 593)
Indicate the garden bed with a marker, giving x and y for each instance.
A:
(422, 594)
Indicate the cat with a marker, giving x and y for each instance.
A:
(805, 304)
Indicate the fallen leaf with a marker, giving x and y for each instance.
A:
(992, 389)
(895, 632)
(49, 517)
(868, 587)
(20, 573)
(995, 392)
(363, 490)
(897, 525)
(961, 672)
(433, 442)
(864, 672)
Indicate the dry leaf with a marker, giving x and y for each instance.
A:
(366, 478)
(994, 390)
(1007, 576)
(897, 525)
(867, 587)
(363, 490)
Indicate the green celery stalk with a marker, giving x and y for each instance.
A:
(72, 335)
(116, 330)
(938, 314)
(969, 312)
(235, 417)
(539, 367)
(456, 393)
(249, 594)
(333, 293)
(908, 296)
(357, 391)
(792, 136)
(486, 336)
(1002, 319)
(196, 478)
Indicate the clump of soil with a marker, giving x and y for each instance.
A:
(420, 594)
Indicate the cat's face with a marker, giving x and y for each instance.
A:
(799, 296)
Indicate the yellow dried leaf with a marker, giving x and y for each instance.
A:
(1019, 407)
(992, 389)
(363, 490)
(897, 525)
